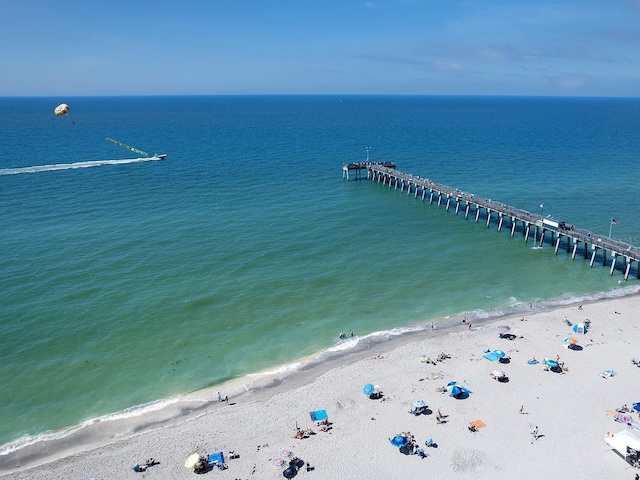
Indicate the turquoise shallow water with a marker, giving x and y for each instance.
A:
(245, 250)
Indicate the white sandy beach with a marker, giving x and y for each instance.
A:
(569, 409)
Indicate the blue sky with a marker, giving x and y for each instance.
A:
(431, 47)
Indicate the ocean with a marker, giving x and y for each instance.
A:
(127, 284)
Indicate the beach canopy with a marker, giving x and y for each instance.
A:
(622, 440)
(399, 441)
(503, 328)
(570, 341)
(498, 374)
(419, 404)
(215, 459)
(318, 415)
(580, 328)
(192, 460)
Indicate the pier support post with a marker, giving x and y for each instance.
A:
(488, 217)
(477, 213)
(514, 223)
(627, 270)
(466, 210)
(500, 221)
(457, 206)
(613, 264)
(431, 197)
(575, 249)
(439, 198)
(593, 255)
(448, 203)
(526, 233)
(424, 193)
(604, 257)
(557, 245)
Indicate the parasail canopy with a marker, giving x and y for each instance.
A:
(61, 109)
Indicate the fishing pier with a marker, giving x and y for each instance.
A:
(612, 253)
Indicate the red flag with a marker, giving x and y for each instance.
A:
(614, 221)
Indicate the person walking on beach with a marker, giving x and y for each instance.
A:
(534, 434)
(522, 409)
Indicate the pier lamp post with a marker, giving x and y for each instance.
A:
(542, 210)
(368, 148)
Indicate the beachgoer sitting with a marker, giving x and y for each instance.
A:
(421, 453)
(151, 462)
(473, 428)
(139, 468)
(429, 443)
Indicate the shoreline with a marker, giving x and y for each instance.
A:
(202, 403)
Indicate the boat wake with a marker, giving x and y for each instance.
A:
(71, 166)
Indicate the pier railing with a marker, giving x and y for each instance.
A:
(593, 246)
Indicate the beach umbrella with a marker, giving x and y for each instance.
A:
(503, 328)
(278, 463)
(498, 373)
(286, 454)
(550, 363)
(499, 353)
(580, 328)
(192, 460)
(570, 341)
(368, 389)
(399, 441)
(456, 388)
(419, 404)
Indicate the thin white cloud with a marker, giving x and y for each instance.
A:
(448, 66)
(571, 81)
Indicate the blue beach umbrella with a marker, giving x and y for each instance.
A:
(455, 389)
(550, 363)
(399, 441)
(419, 404)
(368, 389)
(580, 328)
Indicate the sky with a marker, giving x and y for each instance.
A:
(237, 47)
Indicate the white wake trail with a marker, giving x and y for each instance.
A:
(68, 166)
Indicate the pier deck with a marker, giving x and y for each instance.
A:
(592, 246)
